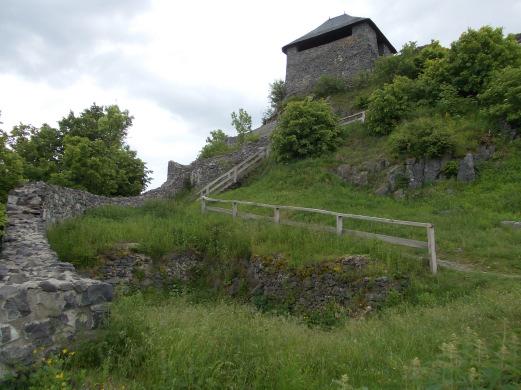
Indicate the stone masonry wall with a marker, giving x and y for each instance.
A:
(343, 58)
(43, 301)
(202, 171)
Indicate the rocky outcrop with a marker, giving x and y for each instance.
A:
(412, 173)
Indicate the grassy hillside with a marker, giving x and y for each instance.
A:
(455, 329)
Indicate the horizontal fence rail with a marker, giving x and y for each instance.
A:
(339, 229)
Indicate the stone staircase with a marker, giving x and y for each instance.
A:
(231, 177)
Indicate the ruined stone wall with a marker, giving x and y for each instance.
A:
(202, 171)
(343, 58)
(44, 302)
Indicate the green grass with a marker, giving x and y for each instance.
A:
(466, 216)
(419, 338)
(160, 342)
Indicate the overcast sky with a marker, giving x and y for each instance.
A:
(181, 67)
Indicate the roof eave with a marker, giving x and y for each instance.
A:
(373, 25)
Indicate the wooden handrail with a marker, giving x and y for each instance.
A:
(234, 172)
(430, 244)
(354, 117)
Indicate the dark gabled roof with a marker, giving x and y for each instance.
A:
(335, 24)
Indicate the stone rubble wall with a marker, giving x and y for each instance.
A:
(204, 170)
(44, 302)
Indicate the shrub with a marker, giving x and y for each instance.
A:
(423, 137)
(328, 86)
(450, 169)
(389, 105)
(306, 128)
(215, 145)
(501, 100)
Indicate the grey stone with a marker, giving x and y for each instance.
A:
(512, 224)
(361, 178)
(17, 306)
(383, 189)
(432, 170)
(395, 173)
(97, 293)
(40, 332)
(466, 171)
(414, 171)
(399, 194)
(485, 152)
(48, 286)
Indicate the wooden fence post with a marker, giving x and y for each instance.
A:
(203, 204)
(235, 174)
(339, 225)
(431, 242)
(276, 215)
(234, 209)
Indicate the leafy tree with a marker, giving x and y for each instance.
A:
(276, 97)
(410, 62)
(215, 145)
(242, 124)
(86, 152)
(306, 128)
(11, 168)
(476, 55)
(501, 100)
(40, 148)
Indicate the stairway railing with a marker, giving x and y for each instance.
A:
(230, 177)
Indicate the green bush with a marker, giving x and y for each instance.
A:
(501, 100)
(423, 137)
(389, 105)
(328, 86)
(216, 145)
(450, 169)
(437, 135)
(306, 128)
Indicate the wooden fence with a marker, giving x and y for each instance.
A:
(359, 116)
(430, 244)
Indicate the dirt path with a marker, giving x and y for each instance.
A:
(469, 269)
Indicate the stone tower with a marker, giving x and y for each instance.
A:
(341, 47)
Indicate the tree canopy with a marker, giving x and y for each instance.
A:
(87, 151)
